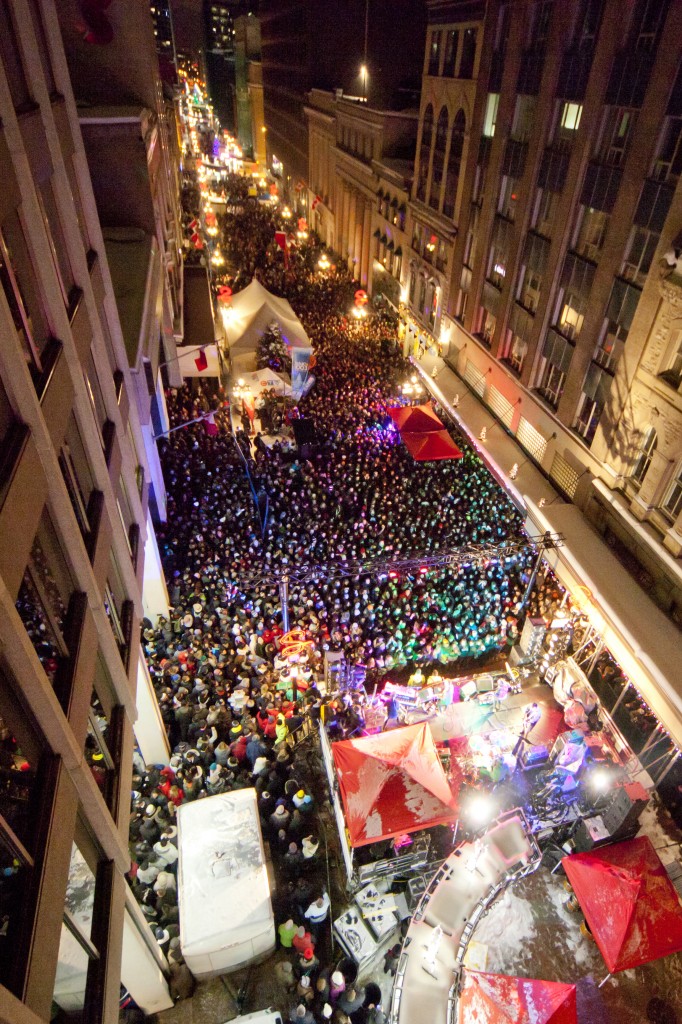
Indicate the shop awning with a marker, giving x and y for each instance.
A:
(499, 999)
(628, 901)
(415, 418)
(392, 783)
(639, 635)
(431, 447)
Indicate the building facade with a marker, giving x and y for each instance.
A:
(548, 164)
(356, 152)
(74, 531)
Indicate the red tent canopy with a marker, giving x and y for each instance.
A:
(428, 447)
(392, 783)
(498, 999)
(415, 419)
(628, 901)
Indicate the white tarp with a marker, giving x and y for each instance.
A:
(260, 380)
(226, 915)
(250, 312)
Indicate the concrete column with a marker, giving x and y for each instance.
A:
(149, 729)
(366, 271)
(154, 593)
(141, 964)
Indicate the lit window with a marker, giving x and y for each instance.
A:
(490, 119)
(672, 503)
(570, 116)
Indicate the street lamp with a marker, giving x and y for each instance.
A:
(323, 262)
(241, 390)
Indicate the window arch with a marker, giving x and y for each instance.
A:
(425, 153)
(454, 163)
(644, 456)
(439, 157)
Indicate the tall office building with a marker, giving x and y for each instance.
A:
(545, 221)
(74, 531)
(162, 18)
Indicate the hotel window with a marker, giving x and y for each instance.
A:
(25, 794)
(509, 195)
(454, 163)
(544, 211)
(487, 325)
(438, 158)
(530, 286)
(425, 153)
(514, 352)
(524, 117)
(672, 373)
(541, 13)
(450, 58)
(434, 53)
(672, 503)
(571, 315)
(55, 234)
(21, 290)
(568, 119)
(590, 232)
(668, 163)
(11, 58)
(557, 353)
(490, 117)
(467, 58)
(44, 596)
(644, 456)
(640, 253)
(616, 131)
(497, 266)
(593, 399)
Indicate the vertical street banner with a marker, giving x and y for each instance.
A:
(301, 380)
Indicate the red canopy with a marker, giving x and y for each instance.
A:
(498, 999)
(436, 444)
(392, 783)
(628, 901)
(415, 419)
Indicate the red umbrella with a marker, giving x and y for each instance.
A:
(629, 902)
(431, 446)
(499, 999)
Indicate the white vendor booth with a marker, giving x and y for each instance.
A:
(226, 918)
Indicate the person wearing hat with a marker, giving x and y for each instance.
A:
(165, 853)
(286, 932)
(304, 990)
(307, 964)
(309, 847)
(301, 1015)
(181, 983)
(280, 818)
(284, 973)
(293, 860)
(351, 1000)
(147, 872)
(326, 1011)
(298, 798)
(163, 938)
(337, 986)
(302, 940)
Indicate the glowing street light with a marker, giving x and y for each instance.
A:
(323, 262)
(359, 312)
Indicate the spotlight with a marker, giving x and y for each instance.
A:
(479, 810)
(601, 780)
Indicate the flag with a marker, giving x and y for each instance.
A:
(193, 224)
(201, 362)
(316, 202)
(195, 237)
(281, 241)
(210, 425)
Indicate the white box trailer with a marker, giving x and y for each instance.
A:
(226, 918)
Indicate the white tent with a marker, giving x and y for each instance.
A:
(258, 380)
(250, 313)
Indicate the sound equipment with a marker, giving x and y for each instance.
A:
(533, 757)
(590, 832)
(532, 636)
(485, 683)
(304, 431)
(622, 811)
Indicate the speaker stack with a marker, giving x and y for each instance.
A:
(618, 818)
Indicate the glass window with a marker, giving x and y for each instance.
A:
(644, 456)
(434, 53)
(55, 234)
(590, 232)
(22, 776)
(490, 118)
(668, 163)
(44, 596)
(450, 58)
(425, 153)
(530, 286)
(567, 122)
(75, 469)
(497, 269)
(557, 354)
(672, 503)
(610, 345)
(640, 253)
(672, 373)
(544, 211)
(509, 195)
(76, 949)
(540, 17)
(514, 351)
(41, 38)
(12, 59)
(524, 115)
(571, 315)
(617, 129)
(20, 288)
(468, 56)
(439, 158)
(488, 323)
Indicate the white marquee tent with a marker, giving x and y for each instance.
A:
(250, 313)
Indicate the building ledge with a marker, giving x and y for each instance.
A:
(129, 254)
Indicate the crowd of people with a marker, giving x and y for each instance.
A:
(239, 514)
